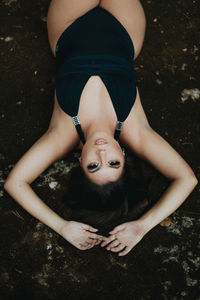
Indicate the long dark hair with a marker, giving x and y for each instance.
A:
(110, 204)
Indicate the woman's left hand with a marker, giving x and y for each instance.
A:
(124, 237)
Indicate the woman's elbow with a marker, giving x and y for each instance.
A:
(194, 179)
(10, 182)
(191, 178)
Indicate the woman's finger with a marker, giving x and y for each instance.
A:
(96, 236)
(97, 242)
(86, 244)
(113, 244)
(82, 247)
(90, 245)
(125, 251)
(108, 240)
(118, 248)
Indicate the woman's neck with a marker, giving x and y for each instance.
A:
(96, 131)
(99, 130)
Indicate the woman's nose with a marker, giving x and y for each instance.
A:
(102, 153)
(101, 150)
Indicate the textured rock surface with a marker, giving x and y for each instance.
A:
(36, 263)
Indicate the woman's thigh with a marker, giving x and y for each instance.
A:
(131, 15)
(62, 13)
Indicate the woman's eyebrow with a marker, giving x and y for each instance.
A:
(97, 169)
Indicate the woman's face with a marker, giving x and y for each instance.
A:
(102, 159)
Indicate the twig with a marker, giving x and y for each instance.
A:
(191, 212)
(15, 213)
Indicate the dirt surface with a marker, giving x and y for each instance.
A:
(35, 262)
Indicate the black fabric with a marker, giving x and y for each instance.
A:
(96, 43)
(80, 133)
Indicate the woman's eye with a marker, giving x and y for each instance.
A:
(93, 166)
(114, 163)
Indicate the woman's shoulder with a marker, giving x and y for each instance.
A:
(135, 123)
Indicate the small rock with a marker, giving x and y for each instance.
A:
(53, 184)
(194, 94)
(59, 249)
(43, 18)
(159, 82)
(194, 50)
(183, 67)
(166, 222)
(187, 222)
(191, 282)
(8, 39)
(39, 225)
(49, 246)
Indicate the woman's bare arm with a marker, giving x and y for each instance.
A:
(150, 146)
(147, 144)
(46, 150)
(53, 145)
(157, 151)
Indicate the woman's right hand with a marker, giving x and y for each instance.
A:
(80, 235)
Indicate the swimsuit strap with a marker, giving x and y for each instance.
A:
(81, 134)
(78, 128)
(118, 130)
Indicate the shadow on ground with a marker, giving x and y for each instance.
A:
(36, 263)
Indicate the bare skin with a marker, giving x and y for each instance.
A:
(137, 135)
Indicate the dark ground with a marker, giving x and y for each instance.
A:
(37, 263)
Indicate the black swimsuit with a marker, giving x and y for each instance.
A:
(96, 43)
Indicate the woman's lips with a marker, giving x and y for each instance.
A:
(100, 142)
